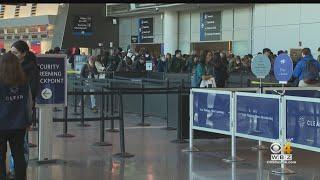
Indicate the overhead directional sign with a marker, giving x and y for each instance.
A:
(145, 30)
(260, 66)
(82, 25)
(283, 68)
(210, 26)
(53, 80)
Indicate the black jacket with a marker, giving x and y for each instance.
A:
(88, 72)
(15, 107)
(32, 72)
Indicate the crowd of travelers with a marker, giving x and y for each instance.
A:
(207, 67)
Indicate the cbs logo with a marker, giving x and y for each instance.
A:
(275, 148)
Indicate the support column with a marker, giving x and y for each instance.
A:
(170, 31)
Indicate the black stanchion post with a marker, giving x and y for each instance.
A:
(123, 153)
(107, 105)
(75, 102)
(167, 108)
(112, 113)
(82, 124)
(65, 125)
(180, 138)
(102, 125)
(142, 106)
(34, 120)
(34, 128)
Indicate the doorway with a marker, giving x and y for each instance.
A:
(224, 46)
(153, 49)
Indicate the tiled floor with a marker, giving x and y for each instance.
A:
(156, 158)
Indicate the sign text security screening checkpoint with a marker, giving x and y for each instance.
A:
(52, 80)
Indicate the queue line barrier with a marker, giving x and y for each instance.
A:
(264, 117)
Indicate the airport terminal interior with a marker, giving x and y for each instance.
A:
(162, 91)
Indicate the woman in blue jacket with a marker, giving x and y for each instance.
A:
(15, 113)
(203, 70)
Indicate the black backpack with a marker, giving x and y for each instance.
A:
(310, 73)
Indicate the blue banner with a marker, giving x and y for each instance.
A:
(211, 110)
(303, 123)
(258, 116)
(52, 80)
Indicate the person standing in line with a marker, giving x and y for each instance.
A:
(100, 67)
(307, 70)
(89, 71)
(28, 63)
(162, 64)
(72, 58)
(175, 65)
(168, 60)
(15, 114)
(220, 70)
(204, 70)
(140, 65)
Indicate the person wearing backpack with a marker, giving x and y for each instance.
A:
(307, 70)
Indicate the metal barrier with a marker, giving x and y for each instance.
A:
(285, 118)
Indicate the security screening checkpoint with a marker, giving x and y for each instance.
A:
(159, 91)
(215, 103)
(252, 117)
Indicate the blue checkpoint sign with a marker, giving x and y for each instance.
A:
(260, 66)
(283, 68)
(53, 80)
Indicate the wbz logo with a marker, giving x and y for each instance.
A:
(276, 149)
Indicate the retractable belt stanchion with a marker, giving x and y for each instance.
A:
(180, 138)
(191, 148)
(75, 100)
(233, 128)
(45, 136)
(142, 106)
(260, 146)
(283, 113)
(102, 123)
(112, 129)
(167, 108)
(123, 153)
(82, 124)
(65, 125)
